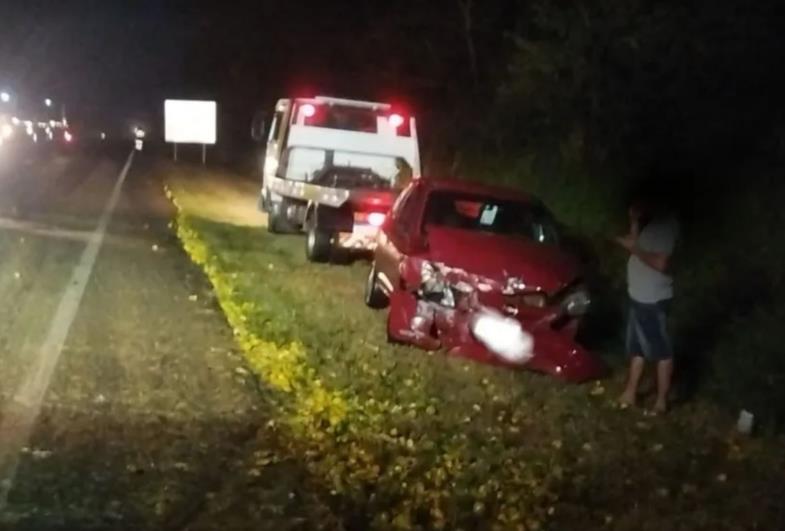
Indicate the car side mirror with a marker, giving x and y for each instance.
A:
(258, 125)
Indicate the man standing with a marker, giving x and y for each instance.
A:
(650, 242)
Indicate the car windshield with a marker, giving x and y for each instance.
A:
(493, 215)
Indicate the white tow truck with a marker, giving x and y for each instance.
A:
(332, 169)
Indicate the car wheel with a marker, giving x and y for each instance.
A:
(318, 245)
(374, 296)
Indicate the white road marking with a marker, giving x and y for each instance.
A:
(38, 229)
(18, 419)
(32, 228)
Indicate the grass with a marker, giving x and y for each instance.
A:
(406, 439)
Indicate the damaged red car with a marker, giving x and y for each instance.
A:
(479, 271)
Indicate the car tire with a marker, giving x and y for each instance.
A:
(318, 245)
(374, 297)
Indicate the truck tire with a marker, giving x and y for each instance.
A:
(374, 296)
(277, 222)
(318, 245)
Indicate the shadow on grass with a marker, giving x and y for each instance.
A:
(103, 470)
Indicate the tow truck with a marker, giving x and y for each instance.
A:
(333, 168)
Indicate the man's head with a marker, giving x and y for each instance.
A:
(650, 200)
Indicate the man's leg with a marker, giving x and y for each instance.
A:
(633, 379)
(664, 375)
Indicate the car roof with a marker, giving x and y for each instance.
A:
(474, 187)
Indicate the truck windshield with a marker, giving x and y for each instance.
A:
(488, 214)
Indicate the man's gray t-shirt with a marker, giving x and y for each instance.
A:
(644, 283)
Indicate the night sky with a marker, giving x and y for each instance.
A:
(102, 59)
(118, 60)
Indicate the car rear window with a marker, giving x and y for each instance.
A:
(493, 215)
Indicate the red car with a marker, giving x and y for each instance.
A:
(479, 271)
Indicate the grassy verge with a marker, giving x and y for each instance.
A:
(411, 440)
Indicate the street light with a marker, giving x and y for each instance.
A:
(5, 97)
(48, 102)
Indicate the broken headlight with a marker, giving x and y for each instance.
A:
(513, 285)
(576, 302)
(434, 287)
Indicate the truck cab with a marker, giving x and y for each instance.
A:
(332, 169)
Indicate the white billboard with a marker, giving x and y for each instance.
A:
(190, 121)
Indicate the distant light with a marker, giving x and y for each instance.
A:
(103, 135)
(376, 219)
(6, 131)
(5, 97)
(67, 136)
(48, 102)
(308, 110)
(15, 120)
(396, 120)
(139, 132)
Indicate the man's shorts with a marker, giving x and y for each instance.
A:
(647, 330)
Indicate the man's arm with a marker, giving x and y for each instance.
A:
(656, 260)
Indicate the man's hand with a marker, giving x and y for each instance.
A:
(658, 261)
(628, 241)
(635, 221)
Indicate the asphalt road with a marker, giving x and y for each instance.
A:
(122, 401)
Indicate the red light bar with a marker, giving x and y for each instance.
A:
(308, 110)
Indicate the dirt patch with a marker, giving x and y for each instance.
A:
(221, 197)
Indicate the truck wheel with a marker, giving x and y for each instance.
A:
(277, 222)
(318, 245)
(374, 296)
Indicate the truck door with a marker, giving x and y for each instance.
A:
(276, 141)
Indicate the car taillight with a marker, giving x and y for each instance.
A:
(308, 110)
(396, 120)
(376, 219)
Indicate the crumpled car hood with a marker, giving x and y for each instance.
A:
(500, 257)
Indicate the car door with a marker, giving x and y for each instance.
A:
(395, 236)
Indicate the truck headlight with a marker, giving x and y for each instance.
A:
(577, 302)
